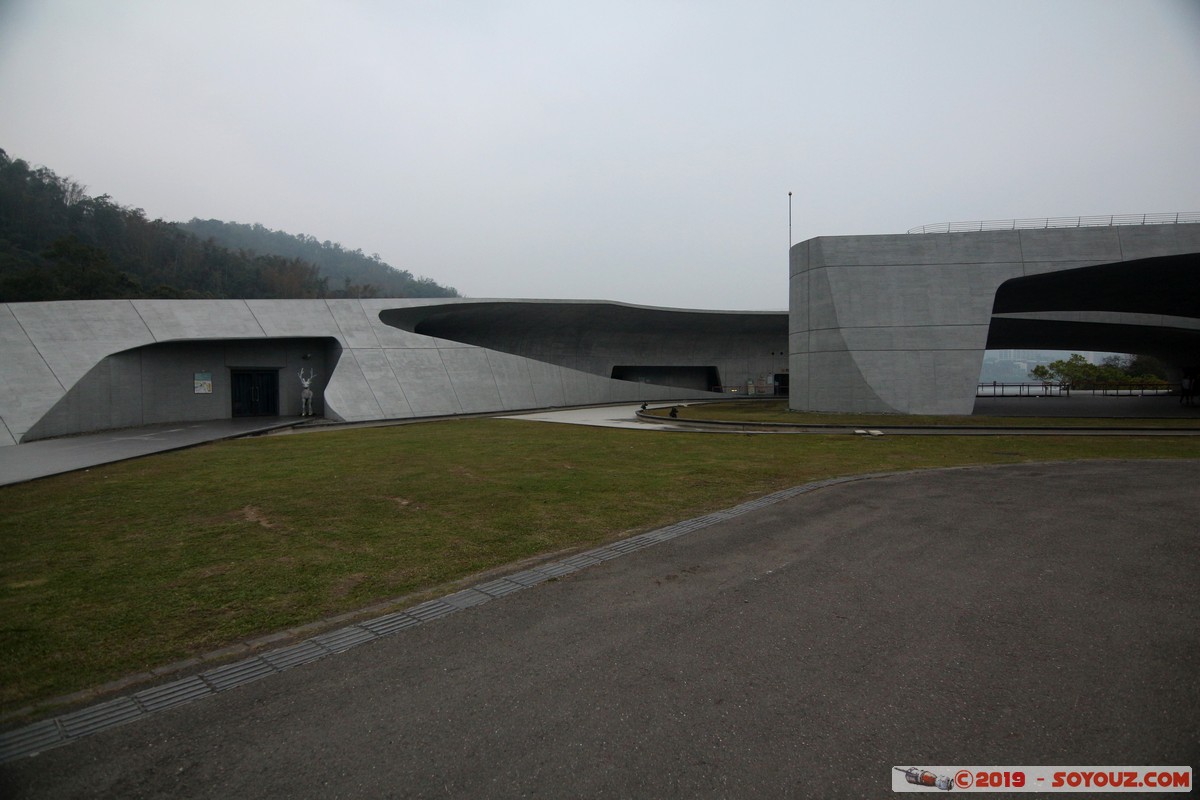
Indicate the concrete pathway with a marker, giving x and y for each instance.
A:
(24, 462)
(1023, 615)
(47, 457)
(617, 416)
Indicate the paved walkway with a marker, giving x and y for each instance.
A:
(47, 457)
(24, 462)
(801, 647)
(617, 416)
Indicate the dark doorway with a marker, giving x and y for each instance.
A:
(707, 379)
(255, 392)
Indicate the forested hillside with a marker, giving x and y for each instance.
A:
(58, 243)
(345, 269)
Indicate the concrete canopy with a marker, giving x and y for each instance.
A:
(596, 336)
(1146, 306)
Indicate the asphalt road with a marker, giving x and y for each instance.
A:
(1026, 615)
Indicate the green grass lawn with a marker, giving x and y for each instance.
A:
(772, 411)
(127, 567)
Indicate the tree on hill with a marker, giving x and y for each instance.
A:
(57, 243)
(356, 274)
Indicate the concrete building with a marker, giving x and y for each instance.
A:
(900, 323)
(73, 367)
(893, 323)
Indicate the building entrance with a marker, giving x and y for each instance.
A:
(255, 392)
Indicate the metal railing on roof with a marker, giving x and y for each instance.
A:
(1101, 221)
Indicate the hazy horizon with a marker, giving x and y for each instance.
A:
(634, 152)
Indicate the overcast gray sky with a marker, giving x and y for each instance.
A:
(634, 151)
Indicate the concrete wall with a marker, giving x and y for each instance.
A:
(899, 323)
(155, 383)
(73, 367)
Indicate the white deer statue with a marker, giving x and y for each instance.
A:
(306, 394)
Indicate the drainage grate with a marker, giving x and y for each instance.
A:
(237, 674)
(467, 598)
(499, 588)
(295, 655)
(97, 718)
(172, 694)
(580, 561)
(432, 609)
(391, 623)
(530, 577)
(341, 640)
(558, 569)
(30, 740)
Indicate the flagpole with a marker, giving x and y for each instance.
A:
(789, 220)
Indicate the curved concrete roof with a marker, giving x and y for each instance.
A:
(1149, 306)
(479, 322)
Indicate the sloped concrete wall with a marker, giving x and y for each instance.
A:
(154, 383)
(28, 386)
(899, 323)
(72, 367)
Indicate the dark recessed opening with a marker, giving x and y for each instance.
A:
(255, 392)
(706, 379)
